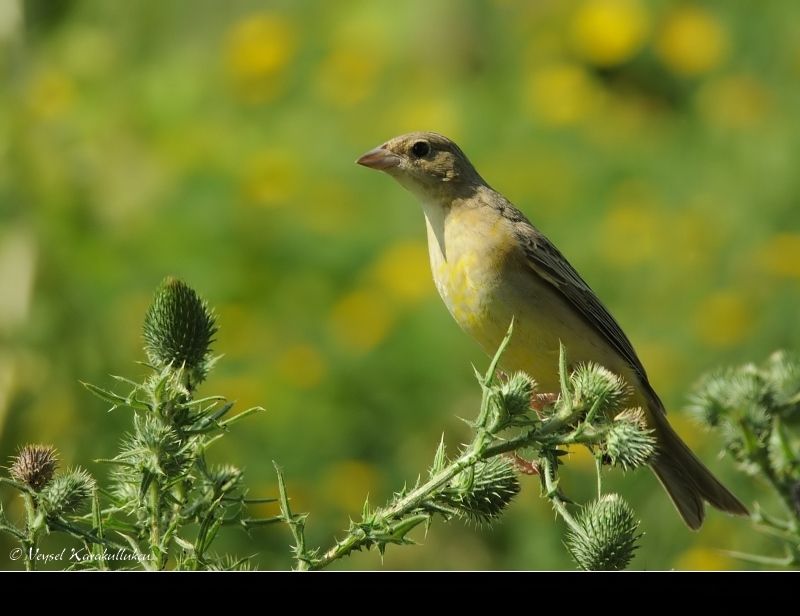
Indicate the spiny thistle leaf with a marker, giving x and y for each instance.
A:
(494, 484)
(514, 396)
(34, 466)
(179, 328)
(607, 537)
(67, 493)
(629, 443)
(593, 384)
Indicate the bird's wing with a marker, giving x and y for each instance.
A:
(549, 264)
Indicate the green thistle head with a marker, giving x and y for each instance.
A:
(629, 443)
(607, 535)
(179, 328)
(67, 493)
(592, 384)
(514, 396)
(484, 494)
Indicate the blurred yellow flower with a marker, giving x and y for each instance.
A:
(662, 360)
(348, 75)
(631, 226)
(735, 101)
(704, 559)
(780, 255)
(692, 41)
(609, 32)
(347, 484)
(271, 177)
(258, 50)
(329, 207)
(302, 366)
(430, 112)
(361, 320)
(404, 272)
(723, 319)
(580, 457)
(561, 93)
(687, 429)
(50, 94)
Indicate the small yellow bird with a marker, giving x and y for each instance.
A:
(490, 264)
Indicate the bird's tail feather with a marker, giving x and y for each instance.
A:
(687, 480)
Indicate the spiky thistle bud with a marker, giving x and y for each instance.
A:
(593, 384)
(514, 396)
(179, 328)
(629, 443)
(224, 478)
(34, 466)
(607, 537)
(483, 494)
(67, 493)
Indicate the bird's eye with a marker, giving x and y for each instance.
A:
(420, 149)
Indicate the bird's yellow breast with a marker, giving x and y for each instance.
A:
(468, 262)
(483, 276)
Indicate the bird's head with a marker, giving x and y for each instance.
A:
(428, 164)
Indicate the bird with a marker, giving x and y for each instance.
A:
(490, 265)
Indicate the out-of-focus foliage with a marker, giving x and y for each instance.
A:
(654, 141)
(755, 410)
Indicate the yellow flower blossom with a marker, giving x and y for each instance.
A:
(361, 319)
(692, 41)
(348, 483)
(302, 366)
(580, 458)
(631, 226)
(50, 94)
(735, 101)
(780, 256)
(348, 75)
(429, 112)
(723, 319)
(561, 94)
(258, 50)
(403, 270)
(704, 559)
(609, 32)
(329, 207)
(271, 177)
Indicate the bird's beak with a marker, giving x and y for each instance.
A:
(380, 159)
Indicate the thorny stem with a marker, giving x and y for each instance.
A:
(154, 497)
(552, 493)
(31, 532)
(759, 456)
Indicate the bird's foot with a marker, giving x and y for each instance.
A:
(526, 467)
(540, 401)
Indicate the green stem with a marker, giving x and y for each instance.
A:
(154, 501)
(296, 524)
(413, 501)
(32, 528)
(89, 536)
(598, 467)
(553, 495)
(759, 456)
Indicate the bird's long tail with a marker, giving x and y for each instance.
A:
(686, 479)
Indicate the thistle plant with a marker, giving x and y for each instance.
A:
(480, 480)
(756, 411)
(164, 504)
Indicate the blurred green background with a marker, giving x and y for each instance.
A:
(655, 142)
